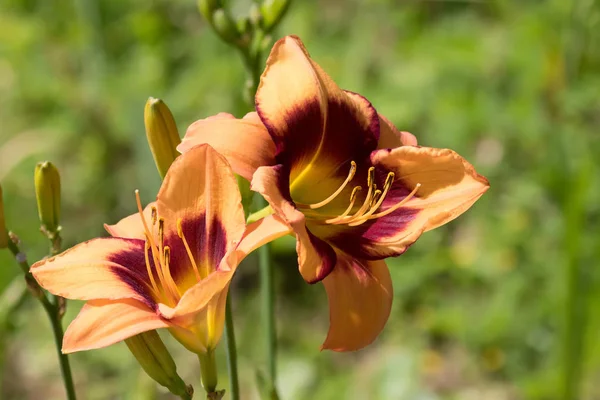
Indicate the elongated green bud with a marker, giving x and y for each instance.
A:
(225, 26)
(161, 133)
(152, 355)
(208, 7)
(47, 193)
(272, 11)
(3, 232)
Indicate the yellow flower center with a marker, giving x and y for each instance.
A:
(371, 203)
(165, 289)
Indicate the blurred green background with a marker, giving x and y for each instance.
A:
(503, 303)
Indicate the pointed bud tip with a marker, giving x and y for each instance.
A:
(162, 134)
(155, 359)
(47, 193)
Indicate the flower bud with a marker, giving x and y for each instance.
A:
(225, 26)
(3, 231)
(207, 8)
(47, 193)
(161, 133)
(152, 355)
(272, 11)
(255, 15)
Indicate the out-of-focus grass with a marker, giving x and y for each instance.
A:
(500, 304)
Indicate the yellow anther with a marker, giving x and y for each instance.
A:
(167, 263)
(161, 232)
(149, 269)
(371, 176)
(166, 281)
(154, 215)
(375, 198)
(179, 229)
(368, 197)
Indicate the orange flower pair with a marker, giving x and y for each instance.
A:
(169, 266)
(339, 176)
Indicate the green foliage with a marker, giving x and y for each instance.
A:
(502, 303)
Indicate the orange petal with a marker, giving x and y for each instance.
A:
(449, 186)
(197, 297)
(201, 191)
(389, 136)
(311, 120)
(198, 322)
(360, 298)
(101, 323)
(261, 232)
(316, 258)
(245, 143)
(131, 226)
(105, 268)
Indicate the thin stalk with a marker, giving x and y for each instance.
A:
(252, 58)
(268, 309)
(234, 389)
(259, 214)
(65, 366)
(54, 314)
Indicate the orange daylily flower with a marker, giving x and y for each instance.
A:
(351, 187)
(168, 266)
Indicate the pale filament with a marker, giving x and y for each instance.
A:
(371, 204)
(187, 249)
(166, 281)
(345, 213)
(148, 269)
(375, 202)
(334, 194)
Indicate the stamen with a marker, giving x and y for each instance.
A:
(164, 252)
(161, 236)
(367, 202)
(375, 199)
(187, 248)
(397, 205)
(149, 269)
(338, 191)
(167, 258)
(352, 200)
(389, 180)
(146, 230)
(154, 215)
(167, 285)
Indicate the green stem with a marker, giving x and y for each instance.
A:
(65, 367)
(268, 310)
(234, 389)
(52, 310)
(259, 214)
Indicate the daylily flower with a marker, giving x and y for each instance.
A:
(169, 266)
(352, 188)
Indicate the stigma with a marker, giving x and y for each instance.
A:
(370, 208)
